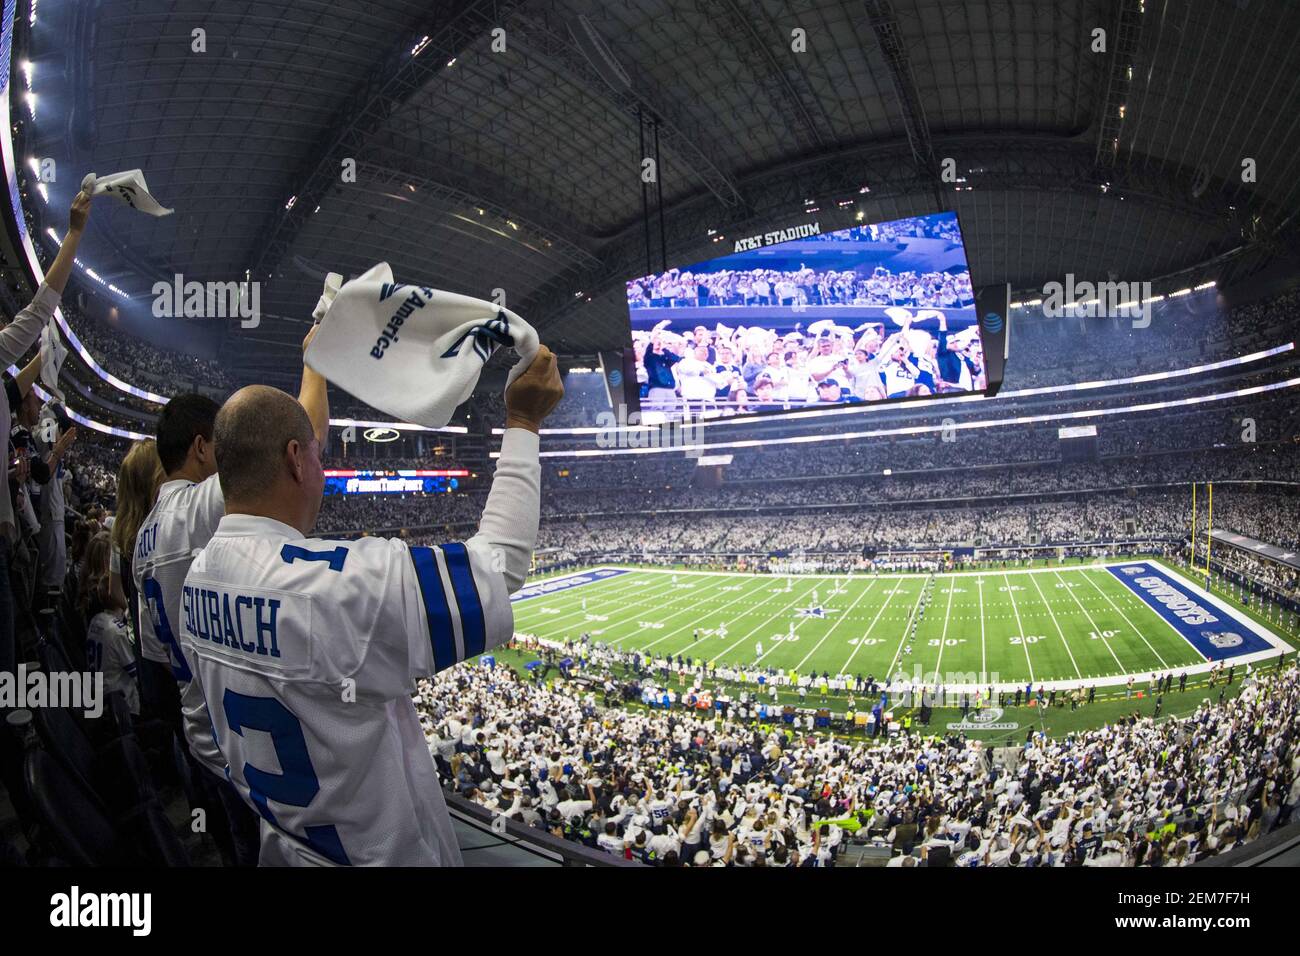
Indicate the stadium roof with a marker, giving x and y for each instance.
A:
(479, 169)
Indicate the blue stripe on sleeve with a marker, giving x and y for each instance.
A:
(472, 625)
(435, 608)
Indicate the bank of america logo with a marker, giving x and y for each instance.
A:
(992, 322)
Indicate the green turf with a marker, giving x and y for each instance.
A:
(1071, 623)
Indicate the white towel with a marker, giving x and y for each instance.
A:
(411, 351)
(53, 352)
(127, 187)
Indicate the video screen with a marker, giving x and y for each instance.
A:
(867, 314)
(346, 481)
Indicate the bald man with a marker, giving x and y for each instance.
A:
(308, 650)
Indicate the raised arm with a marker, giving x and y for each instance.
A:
(508, 528)
(61, 269)
(28, 375)
(17, 337)
(441, 605)
(313, 396)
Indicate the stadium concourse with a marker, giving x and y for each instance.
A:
(923, 492)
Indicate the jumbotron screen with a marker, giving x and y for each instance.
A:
(867, 314)
(346, 481)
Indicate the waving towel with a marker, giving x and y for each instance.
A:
(53, 352)
(128, 187)
(411, 351)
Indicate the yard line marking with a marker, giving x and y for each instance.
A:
(739, 597)
(1052, 614)
(1126, 620)
(625, 584)
(761, 625)
(870, 627)
(943, 638)
(1019, 626)
(561, 621)
(1095, 629)
(984, 663)
(834, 626)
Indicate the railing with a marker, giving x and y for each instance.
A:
(544, 848)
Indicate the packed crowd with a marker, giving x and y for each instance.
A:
(800, 287)
(670, 789)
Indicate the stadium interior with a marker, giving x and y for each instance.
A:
(792, 601)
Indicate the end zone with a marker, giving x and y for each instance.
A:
(1217, 631)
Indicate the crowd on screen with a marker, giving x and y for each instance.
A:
(801, 287)
(752, 369)
(672, 789)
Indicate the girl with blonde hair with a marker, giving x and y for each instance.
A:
(138, 479)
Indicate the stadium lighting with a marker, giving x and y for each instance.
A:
(580, 370)
(932, 429)
(451, 62)
(1204, 285)
(53, 235)
(40, 188)
(35, 164)
(419, 47)
(31, 103)
(28, 68)
(1174, 295)
(960, 399)
(860, 216)
(864, 190)
(290, 203)
(31, 16)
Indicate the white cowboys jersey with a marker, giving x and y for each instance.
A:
(109, 651)
(308, 652)
(181, 522)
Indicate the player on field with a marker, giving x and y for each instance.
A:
(307, 651)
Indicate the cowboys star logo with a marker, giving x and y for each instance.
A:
(815, 611)
(486, 337)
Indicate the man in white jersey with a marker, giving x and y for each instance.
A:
(183, 518)
(307, 651)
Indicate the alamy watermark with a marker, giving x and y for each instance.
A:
(623, 429)
(209, 300)
(1089, 300)
(29, 689)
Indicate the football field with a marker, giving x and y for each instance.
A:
(1052, 626)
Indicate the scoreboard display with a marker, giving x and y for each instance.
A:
(346, 481)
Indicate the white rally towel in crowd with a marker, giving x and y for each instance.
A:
(53, 352)
(128, 187)
(412, 351)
